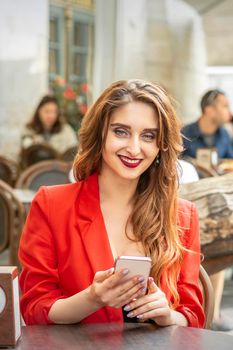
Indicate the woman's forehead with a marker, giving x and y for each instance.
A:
(133, 112)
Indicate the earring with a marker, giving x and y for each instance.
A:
(157, 159)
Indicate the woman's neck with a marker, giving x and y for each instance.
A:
(115, 189)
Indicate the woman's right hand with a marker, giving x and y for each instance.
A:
(107, 289)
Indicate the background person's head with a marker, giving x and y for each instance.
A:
(46, 116)
(214, 105)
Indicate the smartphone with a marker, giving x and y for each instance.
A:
(137, 265)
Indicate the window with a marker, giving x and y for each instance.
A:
(70, 43)
(81, 44)
(56, 42)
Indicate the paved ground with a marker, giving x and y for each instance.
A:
(227, 300)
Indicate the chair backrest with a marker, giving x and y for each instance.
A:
(37, 153)
(12, 217)
(6, 214)
(8, 170)
(51, 172)
(69, 154)
(208, 296)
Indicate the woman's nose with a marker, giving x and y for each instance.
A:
(134, 147)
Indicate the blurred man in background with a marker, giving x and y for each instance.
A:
(208, 132)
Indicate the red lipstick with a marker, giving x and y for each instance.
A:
(130, 162)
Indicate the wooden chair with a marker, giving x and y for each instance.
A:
(9, 170)
(69, 154)
(51, 172)
(208, 296)
(6, 218)
(37, 153)
(12, 218)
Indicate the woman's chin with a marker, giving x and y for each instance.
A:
(129, 174)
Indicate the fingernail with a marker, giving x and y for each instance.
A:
(143, 290)
(139, 316)
(151, 279)
(130, 314)
(111, 270)
(141, 279)
(125, 271)
(127, 308)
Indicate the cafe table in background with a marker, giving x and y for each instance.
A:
(24, 195)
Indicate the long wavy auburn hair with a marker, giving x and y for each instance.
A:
(154, 215)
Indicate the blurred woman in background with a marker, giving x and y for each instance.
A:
(47, 126)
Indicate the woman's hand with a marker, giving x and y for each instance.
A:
(154, 306)
(109, 289)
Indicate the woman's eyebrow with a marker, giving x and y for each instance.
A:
(121, 125)
(129, 127)
(151, 130)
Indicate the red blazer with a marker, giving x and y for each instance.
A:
(64, 243)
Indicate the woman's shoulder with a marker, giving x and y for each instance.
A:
(68, 192)
(188, 224)
(57, 193)
(27, 137)
(184, 205)
(186, 211)
(67, 128)
(57, 197)
(27, 130)
(68, 135)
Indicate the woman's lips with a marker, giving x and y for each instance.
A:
(129, 162)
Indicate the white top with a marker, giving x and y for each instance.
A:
(60, 141)
(187, 172)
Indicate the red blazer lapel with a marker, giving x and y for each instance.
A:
(91, 226)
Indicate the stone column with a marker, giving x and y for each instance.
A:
(189, 79)
(160, 40)
(131, 26)
(104, 50)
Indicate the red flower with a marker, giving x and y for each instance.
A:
(83, 108)
(69, 93)
(84, 87)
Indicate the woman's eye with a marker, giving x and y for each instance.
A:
(120, 132)
(149, 137)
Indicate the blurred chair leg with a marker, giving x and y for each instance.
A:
(221, 321)
(217, 281)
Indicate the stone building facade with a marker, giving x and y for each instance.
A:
(162, 40)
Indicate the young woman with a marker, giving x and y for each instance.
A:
(46, 126)
(124, 203)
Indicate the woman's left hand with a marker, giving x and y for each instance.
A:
(153, 305)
